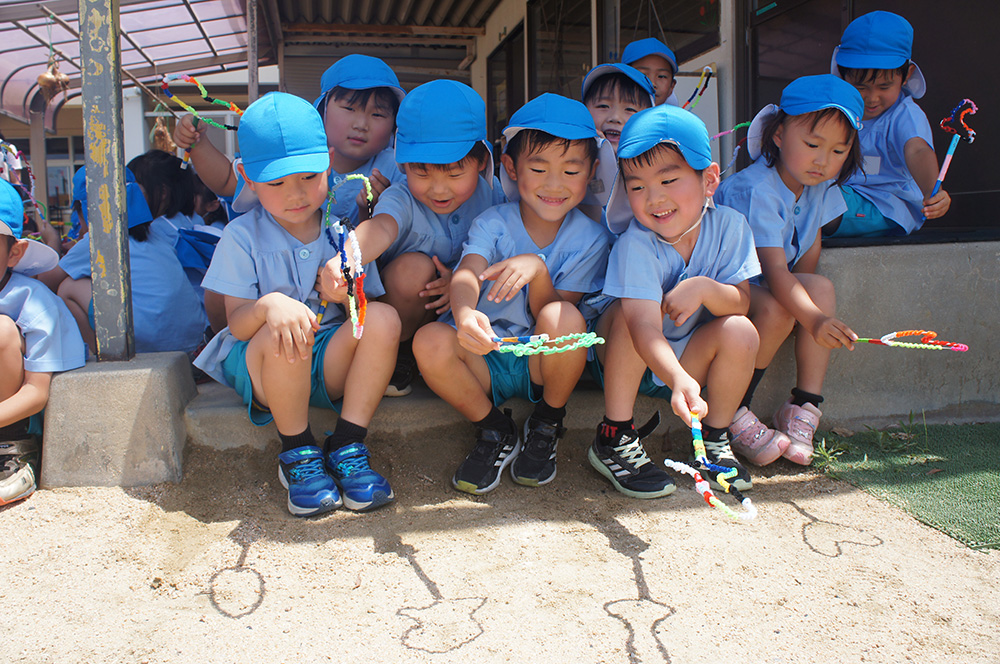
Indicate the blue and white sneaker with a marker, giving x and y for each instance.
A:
(363, 488)
(311, 490)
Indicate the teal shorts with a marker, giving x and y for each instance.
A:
(863, 219)
(510, 377)
(234, 367)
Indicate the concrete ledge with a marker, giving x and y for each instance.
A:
(118, 423)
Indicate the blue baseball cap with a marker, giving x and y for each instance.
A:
(879, 40)
(281, 134)
(637, 50)
(569, 119)
(644, 131)
(439, 122)
(136, 207)
(357, 72)
(619, 68)
(38, 257)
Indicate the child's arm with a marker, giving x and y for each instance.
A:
(376, 235)
(291, 323)
(213, 167)
(475, 333)
(29, 399)
(511, 275)
(720, 299)
(379, 184)
(921, 161)
(645, 326)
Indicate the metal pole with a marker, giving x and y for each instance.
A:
(252, 57)
(100, 61)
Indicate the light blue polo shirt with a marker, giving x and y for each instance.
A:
(256, 256)
(644, 267)
(425, 231)
(346, 191)
(776, 218)
(52, 340)
(167, 313)
(886, 181)
(576, 259)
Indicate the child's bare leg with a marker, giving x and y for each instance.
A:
(77, 293)
(558, 373)
(363, 365)
(812, 359)
(280, 385)
(623, 368)
(404, 278)
(459, 377)
(773, 323)
(11, 358)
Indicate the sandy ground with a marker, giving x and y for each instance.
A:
(215, 570)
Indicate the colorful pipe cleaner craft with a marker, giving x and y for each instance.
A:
(928, 341)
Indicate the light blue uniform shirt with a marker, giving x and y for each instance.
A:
(256, 256)
(576, 259)
(346, 191)
(886, 181)
(425, 231)
(776, 218)
(167, 313)
(644, 267)
(52, 340)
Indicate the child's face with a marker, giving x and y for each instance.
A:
(294, 200)
(610, 113)
(811, 155)
(551, 181)
(660, 73)
(667, 196)
(357, 133)
(446, 188)
(880, 94)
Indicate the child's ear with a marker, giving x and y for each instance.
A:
(508, 165)
(711, 177)
(243, 174)
(673, 83)
(776, 139)
(909, 73)
(16, 252)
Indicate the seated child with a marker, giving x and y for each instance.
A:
(167, 312)
(37, 338)
(612, 93)
(890, 194)
(423, 222)
(275, 353)
(680, 269)
(523, 270)
(787, 196)
(658, 63)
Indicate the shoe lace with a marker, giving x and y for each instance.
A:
(307, 469)
(541, 439)
(631, 450)
(717, 450)
(353, 465)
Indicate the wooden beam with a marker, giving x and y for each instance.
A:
(340, 28)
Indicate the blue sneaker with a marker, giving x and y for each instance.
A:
(363, 488)
(310, 489)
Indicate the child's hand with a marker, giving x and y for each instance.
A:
(379, 184)
(683, 300)
(475, 334)
(292, 326)
(937, 205)
(685, 397)
(185, 134)
(832, 333)
(440, 286)
(330, 282)
(511, 275)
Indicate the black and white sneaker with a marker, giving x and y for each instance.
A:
(402, 376)
(494, 451)
(536, 464)
(18, 463)
(625, 463)
(719, 453)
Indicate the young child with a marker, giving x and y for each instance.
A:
(37, 338)
(423, 222)
(890, 195)
(658, 63)
(680, 269)
(523, 270)
(787, 196)
(274, 353)
(612, 93)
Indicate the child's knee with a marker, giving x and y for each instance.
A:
(741, 336)
(383, 319)
(433, 342)
(408, 273)
(769, 313)
(821, 291)
(560, 315)
(9, 334)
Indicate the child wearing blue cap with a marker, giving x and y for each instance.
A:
(613, 93)
(38, 337)
(422, 223)
(891, 194)
(680, 272)
(654, 59)
(167, 312)
(523, 270)
(787, 196)
(273, 266)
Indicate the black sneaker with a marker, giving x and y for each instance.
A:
(721, 454)
(494, 451)
(18, 464)
(402, 376)
(625, 463)
(536, 464)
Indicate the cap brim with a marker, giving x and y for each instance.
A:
(619, 212)
(266, 171)
(432, 153)
(37, 258)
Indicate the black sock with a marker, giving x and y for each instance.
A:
(301, 440)
(344, 433)
(496, 421)
(544, 411)
(757, 375)
(801, 398)
(611, 429)
(714, 435)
